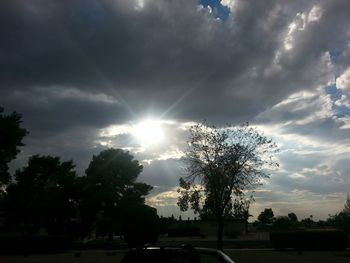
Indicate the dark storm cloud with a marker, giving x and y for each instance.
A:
(167, 56)
(168, 172)
(54, 109)
(76, 144)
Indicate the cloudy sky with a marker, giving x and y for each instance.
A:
(91, 74)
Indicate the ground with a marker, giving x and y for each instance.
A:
(238, 255)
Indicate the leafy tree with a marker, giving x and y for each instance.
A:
(293, 217)
(342, 219)
(223, 163)
(43, 196)
(11, 136)
(308, 222)
(110, 184)
(241, 209)
(282, 223)
(266, 216)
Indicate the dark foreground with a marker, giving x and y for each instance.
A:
(238, 255)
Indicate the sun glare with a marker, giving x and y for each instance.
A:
(148, 132)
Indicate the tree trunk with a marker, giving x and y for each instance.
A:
(110, 235)
(220, 221)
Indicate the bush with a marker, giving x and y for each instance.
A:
(310, 240)
(140, 225)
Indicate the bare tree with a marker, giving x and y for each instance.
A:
(223, 163)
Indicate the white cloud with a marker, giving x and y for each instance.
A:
(315, 14)
(229, 3)
(343, 81)
(300, 109)
(74, 93)
(345, 122)
(298, 24)
(344, 101)
(167, 198)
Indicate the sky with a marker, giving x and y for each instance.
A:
(87, 75)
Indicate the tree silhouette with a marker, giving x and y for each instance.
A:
(283, 223)
(11, 136)
(110, 183)
(346, 209)
(266, 216)
(341, 220)
(241, 209)
(222, 163)
(43, 196)
(293, 217)
(140, 224)
(289, 222)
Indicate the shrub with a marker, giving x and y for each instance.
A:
(140, 225)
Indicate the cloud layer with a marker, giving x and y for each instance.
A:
(76, 68)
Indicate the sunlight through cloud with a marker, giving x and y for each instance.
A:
(148, 132)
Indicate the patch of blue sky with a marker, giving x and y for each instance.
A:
(335, 54)
(219, 11)
(335, 93)
(341, 111)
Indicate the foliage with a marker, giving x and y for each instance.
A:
(43, 196)
(283, 223)
(241, 207)
(293, 217)
(110, 183)
(223, 163)
(266, 216)
(289, 222)
(342, 220)
(11, 136)
(307, 222)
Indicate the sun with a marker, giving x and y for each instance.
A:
(148, 132)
